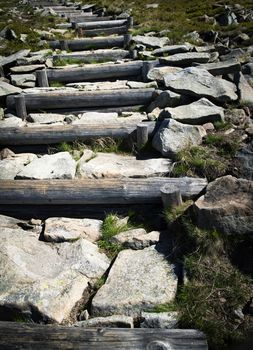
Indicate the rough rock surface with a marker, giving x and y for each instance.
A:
(158, 73)
(8, 89)
(46, 118)
(136, 238)
(165, 320)
(12, 122)
(151, 41)
(23, 80)
(12, 165)
(166, 99)
(173, 136)
(67, 229)
(185, 59)
(172, 49)
(138, 280)
(199, 112)
(200, 83)
(245, 159)
(55, 166)
(227, 206)
(115, 321)
(43, 281)
(116, 165)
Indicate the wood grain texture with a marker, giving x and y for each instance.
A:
(94, 191)
(50, 134)
(80, 99)
(39, 337)
(106, 31)
(96, 72)
(91, 43)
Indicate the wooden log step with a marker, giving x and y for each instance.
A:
(79, 99)
(94, 56)
(35, 336)
(93, 72)
(107, 31)
(94, 43)
(95, 191)
(102, 24)
(86, 18)
(50, 134)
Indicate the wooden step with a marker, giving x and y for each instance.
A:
(50, 134)
(80, 99)
(95, 191)
(95, 55)
(33, 336)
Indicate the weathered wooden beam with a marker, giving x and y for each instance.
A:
(92, 72)
(171, 196)
(38, 337)
(42, 79)
(142, 135)
(107, 31)
(95, 56)
(87, 17)
(91, 43)
(20, 106)
(79, 99)
(102, 24)
(50, 134)
(94, 191)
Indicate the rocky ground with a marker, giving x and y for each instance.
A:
(190, 266)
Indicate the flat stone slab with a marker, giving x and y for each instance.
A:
(27, 69)
(12, 165)
(198, 82)
(227, 206)
(173, 137)
(42, 281)
(115, 321)
(164, 320)
(55, 166)
(46, 118)
(12, 122)
(136, 239)
(185, 59)
(199, 112)
(158, 73)
(61, 229)
(221, 68)
(172, 50)
(137, 281)
(109, 165)
(8, 89)
(151, 41)
(14, 57)
(112, 118)
(23, 80)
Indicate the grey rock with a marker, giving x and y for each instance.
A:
(173, 136)
(141, 85)
(199, 112)
(226, 18)
(200, 83)
(245, 159)
(14, 57)
(158, 73)
(248, 69)
(48, 278)
(39, 59)
(237, 117)
(245, 90)
(8, 34)
(114, 321)
(185, 59)
(12, 122)
(11, 165)
(1, 113)
(221, 68)
(137, 281)
(166, 99)
(46, 118)
(151, 41)
(227, 206)
(23, 80)
(172, 50)
(59, 229)
(56, 166)
(236, 54)
(165, 320)
(136, 238)
(111, 165)
(27, 69)
(8, 89)
(154, 115)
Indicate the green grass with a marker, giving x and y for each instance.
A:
(56, 84)
(109, 145)
(215, 287)
(66, 61)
